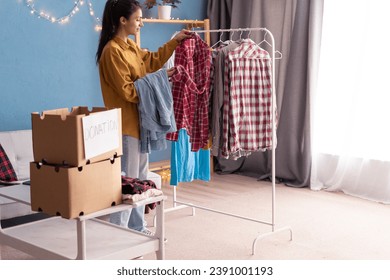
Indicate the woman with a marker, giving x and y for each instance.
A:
(121, 62)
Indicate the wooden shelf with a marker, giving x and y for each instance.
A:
(159, 165)
(190, 23)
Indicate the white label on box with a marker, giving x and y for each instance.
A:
(101, 133)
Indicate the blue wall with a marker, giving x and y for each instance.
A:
(46, 65)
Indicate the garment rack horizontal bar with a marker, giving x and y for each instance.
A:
(233, 30)
(218, 212)
(250, 29)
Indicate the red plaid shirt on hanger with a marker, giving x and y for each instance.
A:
(191, 91)
(247, 110)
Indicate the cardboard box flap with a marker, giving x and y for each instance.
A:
(58, 136)
(64, 113)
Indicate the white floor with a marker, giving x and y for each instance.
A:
(325, 226)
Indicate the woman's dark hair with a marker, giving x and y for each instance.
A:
(113, 11)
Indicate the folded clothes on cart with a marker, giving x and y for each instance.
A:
(134, 190)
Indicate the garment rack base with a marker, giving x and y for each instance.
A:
(179, 205)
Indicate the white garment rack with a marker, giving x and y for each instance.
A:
(273, 105)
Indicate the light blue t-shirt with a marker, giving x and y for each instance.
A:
(187, 165)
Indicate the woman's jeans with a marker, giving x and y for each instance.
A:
(134, 165)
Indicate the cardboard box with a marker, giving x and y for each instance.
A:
(70, 192)
(77, 137)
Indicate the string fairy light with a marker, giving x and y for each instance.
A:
(45, 15)
(66, 18)
(98, 21)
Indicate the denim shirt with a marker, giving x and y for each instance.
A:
(155, 110)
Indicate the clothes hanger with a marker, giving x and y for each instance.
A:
(231, 36)
(219, 41)
(242, 31)
(278, 54)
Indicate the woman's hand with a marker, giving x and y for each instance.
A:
(183, 34)
(171, 71)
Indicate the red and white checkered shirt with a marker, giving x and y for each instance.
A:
(247, 118)
(191, 91)
(7, 172)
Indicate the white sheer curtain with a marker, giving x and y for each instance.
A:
(351, 109)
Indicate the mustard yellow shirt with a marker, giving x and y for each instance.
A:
(122, 63)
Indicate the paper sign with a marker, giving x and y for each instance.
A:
(101, 133)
